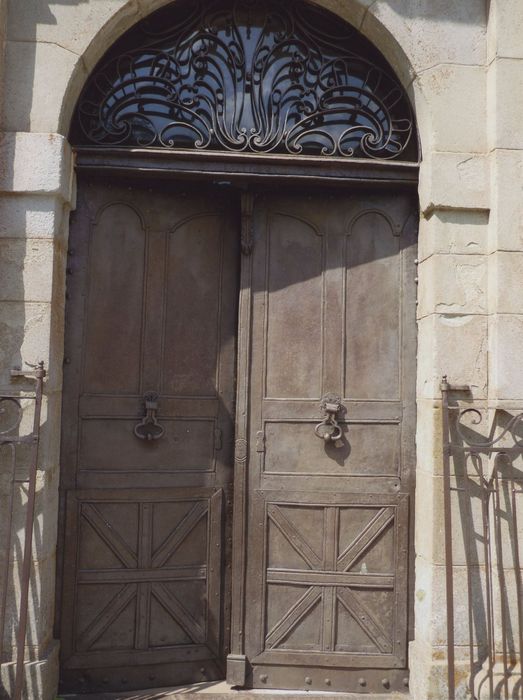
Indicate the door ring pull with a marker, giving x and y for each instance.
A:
(329, 429)
(148, 428)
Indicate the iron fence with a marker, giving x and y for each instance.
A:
(483, 515)
(12, 439)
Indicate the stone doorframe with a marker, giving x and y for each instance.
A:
(443, 74)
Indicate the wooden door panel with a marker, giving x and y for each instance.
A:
(372, 324)
(148, 579)
(291, 447)
(114, 313)
(332, 584)
(194, 292)
(328, 549)
(152, 303)
(186, 446)
(293, 280)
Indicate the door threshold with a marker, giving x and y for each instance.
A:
(220, 690)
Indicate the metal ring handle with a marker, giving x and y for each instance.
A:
(148, 428)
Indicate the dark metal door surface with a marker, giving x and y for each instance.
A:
(331, 442)
(147, 436)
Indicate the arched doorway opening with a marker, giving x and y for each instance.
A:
(239, 404)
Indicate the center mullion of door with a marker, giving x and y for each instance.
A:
(236, 661)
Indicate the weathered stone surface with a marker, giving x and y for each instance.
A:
(466, 514)
(69, 25)
(25, 332)
(453, 231)
(26, 269)
(506, 341)
(430, 603)
(505, 103)
(36, 80)
(31, 216)
(40, 615)
(453, 345)
(454, 181)
(452, 284)
(41, 675)
(506, 221)
(417, 27)
(428, 676)
(455, 102)
(505, 29)
(36, 163)
(505, 282)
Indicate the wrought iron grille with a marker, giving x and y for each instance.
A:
(256, 76)
(483, 509)
(13, 438)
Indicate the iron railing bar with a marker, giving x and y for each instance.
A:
(501, 575)
(515, 449)
(470, 540)
(517, 573)
(449, 570)
(7, 569)
(485, 512)
(39, 375)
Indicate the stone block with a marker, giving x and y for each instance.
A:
(430, 603)
(428, 673)
(453, 231)
(36, 163)
(31, 216)
(41, 608)
(505, 282)
(353, 11)
(450, 181)
(427, 41)
(37, 77)
(453, 345)
(505, 372)
(452, 284)
(505, 29)
(466, 517)
(41, 676)
(46, 509)
(455, 102)
(25, 332)
(72, 26)
(506, 222)
(26, 269)
(505, 103)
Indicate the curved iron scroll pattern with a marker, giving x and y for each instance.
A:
(257, 76)
(475, 417)
(11, 415)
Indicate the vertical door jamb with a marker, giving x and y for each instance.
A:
(237, 661)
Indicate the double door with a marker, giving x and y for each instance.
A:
(238, 434)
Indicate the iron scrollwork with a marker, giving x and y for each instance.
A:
(256, 76)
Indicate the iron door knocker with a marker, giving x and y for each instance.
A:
(329, 429)
(148, 428)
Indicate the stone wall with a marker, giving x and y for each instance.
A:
(462, 66)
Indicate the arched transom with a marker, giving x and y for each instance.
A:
(254, 76)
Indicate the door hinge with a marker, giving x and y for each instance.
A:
(218, 442)
(260, 441)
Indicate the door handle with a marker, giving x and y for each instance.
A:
(149, 428)
(329, 429)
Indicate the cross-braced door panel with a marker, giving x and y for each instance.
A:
(148, 578)
(331, 584)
